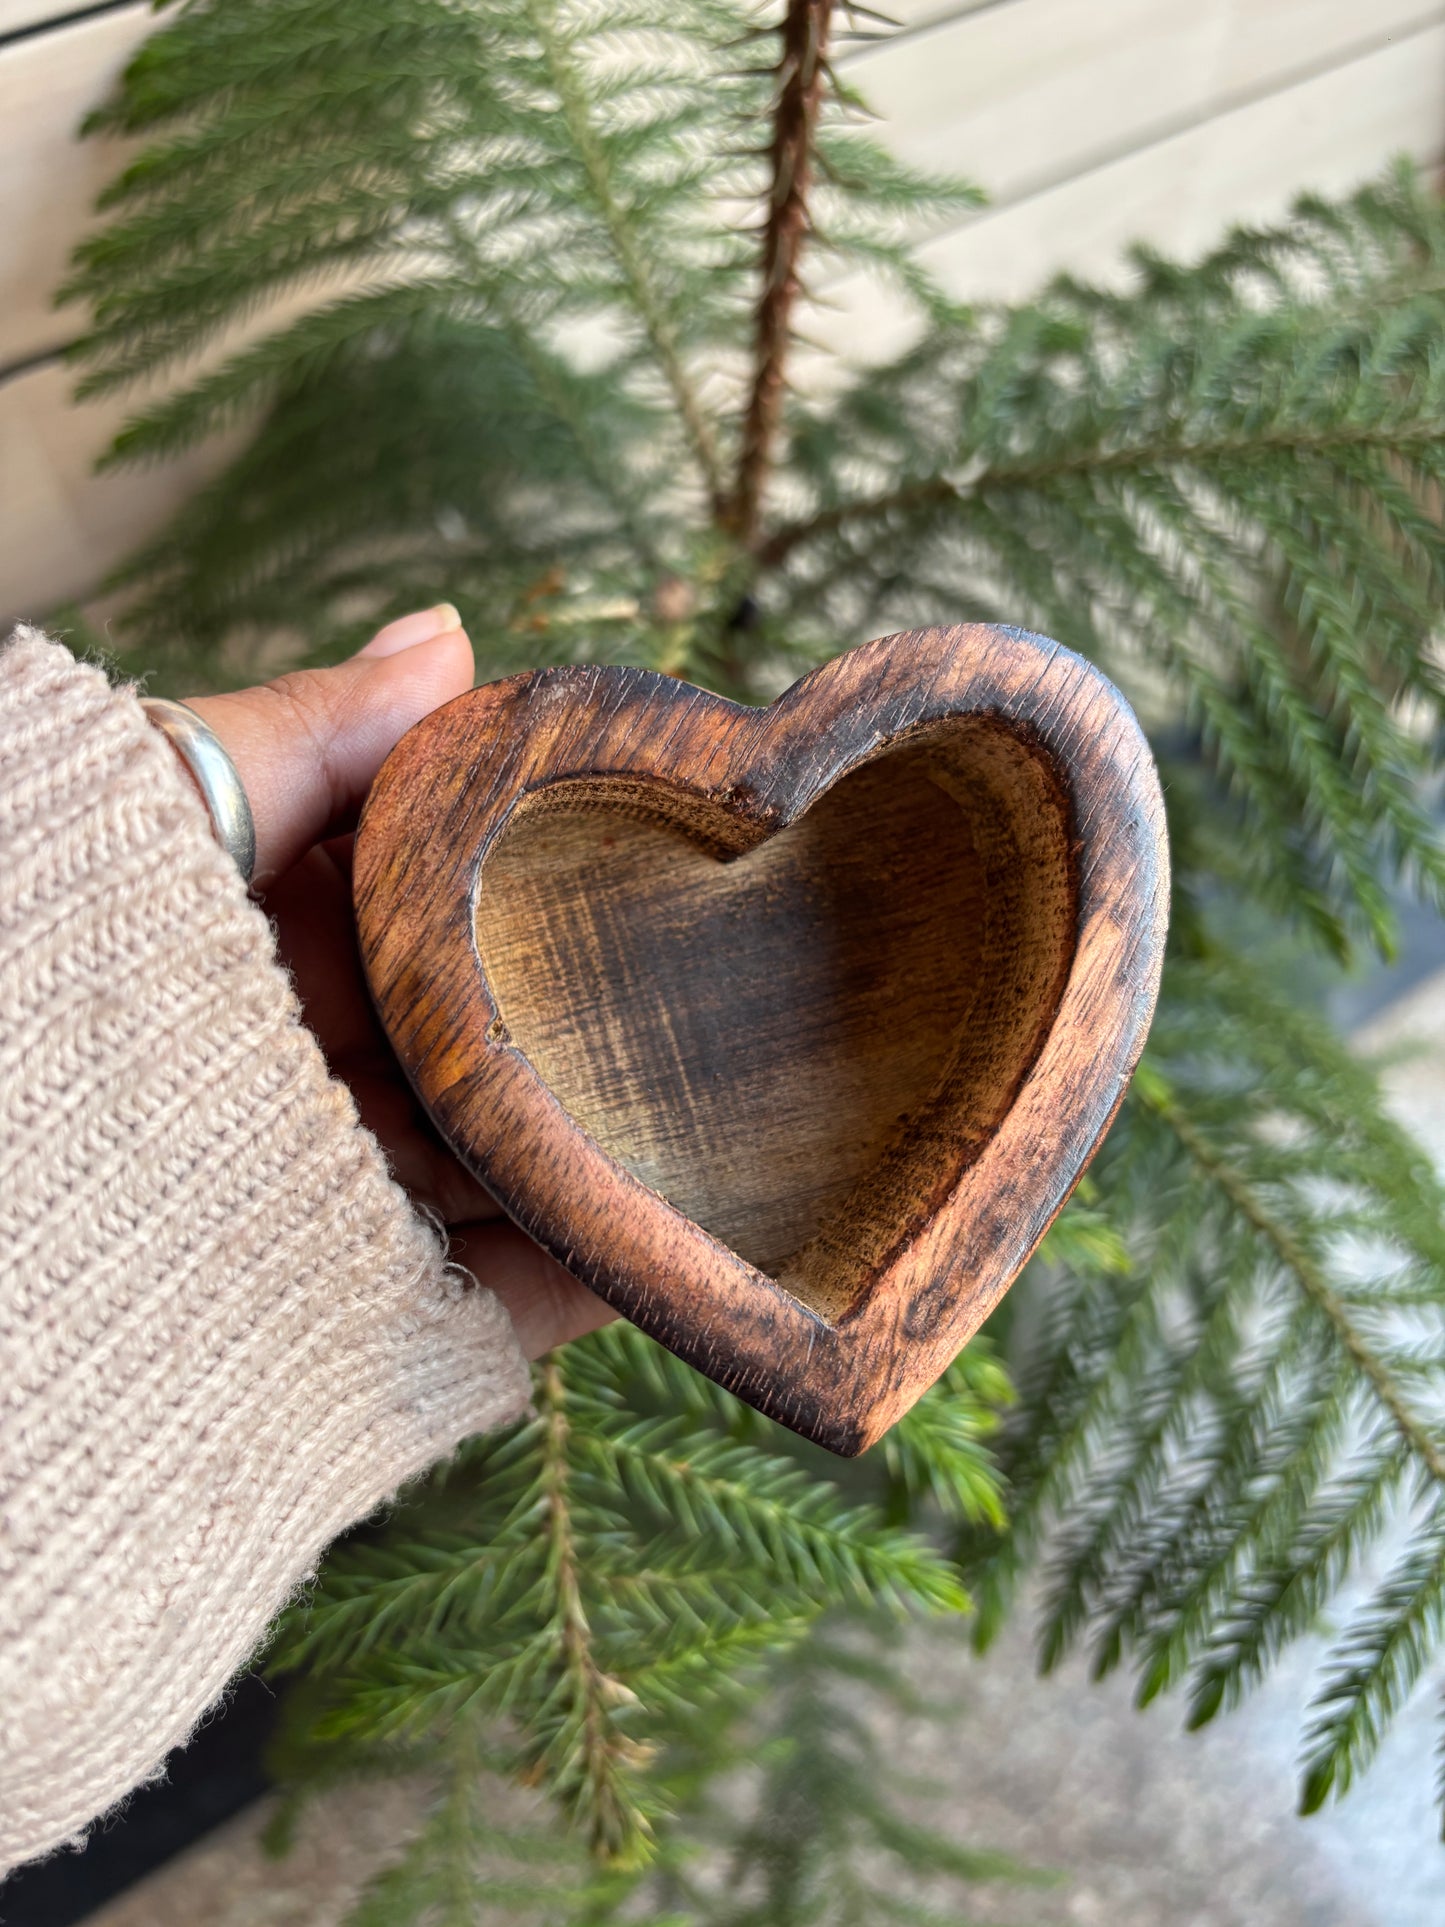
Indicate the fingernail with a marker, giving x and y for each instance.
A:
(407, 631)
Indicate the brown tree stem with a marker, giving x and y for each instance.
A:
(802, 76)
(588, 1686)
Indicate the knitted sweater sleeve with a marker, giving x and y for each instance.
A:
(224, 1334)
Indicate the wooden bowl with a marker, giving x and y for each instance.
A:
(787, 1030)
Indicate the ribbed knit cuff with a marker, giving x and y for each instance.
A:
(226, 1335)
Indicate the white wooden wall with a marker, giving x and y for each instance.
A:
(1091, 123)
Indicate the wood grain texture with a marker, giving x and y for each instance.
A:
(787, 1030)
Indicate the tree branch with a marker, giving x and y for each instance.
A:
(932, 493)
(651, 308)
(802, 77)
(616, 1827)
(1411, 1428)
(935, 491)
(611, 484)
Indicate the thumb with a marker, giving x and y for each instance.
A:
(308, 745)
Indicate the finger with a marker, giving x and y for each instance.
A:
(307, 745)
(548, 1305)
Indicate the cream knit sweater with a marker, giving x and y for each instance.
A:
(224, 1333)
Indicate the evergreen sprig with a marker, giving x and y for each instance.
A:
(598, 1574)
(542, 273)
(1210, 1442)
(1221, 486)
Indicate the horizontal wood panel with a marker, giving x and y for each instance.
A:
(24, 16)
(61, 526)
(1327, 133)
(1016, 95)
(48, 179)
(853, 34)
(1330, 133)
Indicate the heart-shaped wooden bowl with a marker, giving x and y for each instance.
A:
(788, 1030)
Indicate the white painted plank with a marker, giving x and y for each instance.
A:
(1021, 94)
(1329, 133)
(908, 16)
(61, 526)
(48, 179)
(18, 15)
(1272, 36)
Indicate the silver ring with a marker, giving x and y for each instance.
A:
(216, 777)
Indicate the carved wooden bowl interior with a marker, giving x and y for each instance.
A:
(799, 1041)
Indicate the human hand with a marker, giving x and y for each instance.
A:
(307, 747)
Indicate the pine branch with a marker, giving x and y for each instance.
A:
(1206, 1443)
(1414, 1433)
(581, 1589)
(636, 269)
(802, 73)
(939, 1450)
(1186, 480)
(1377, 1666)
(821, 1841)
(617, 1830)
(936, 492)
(763, 1508)
(557, 394)
(932, 493)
